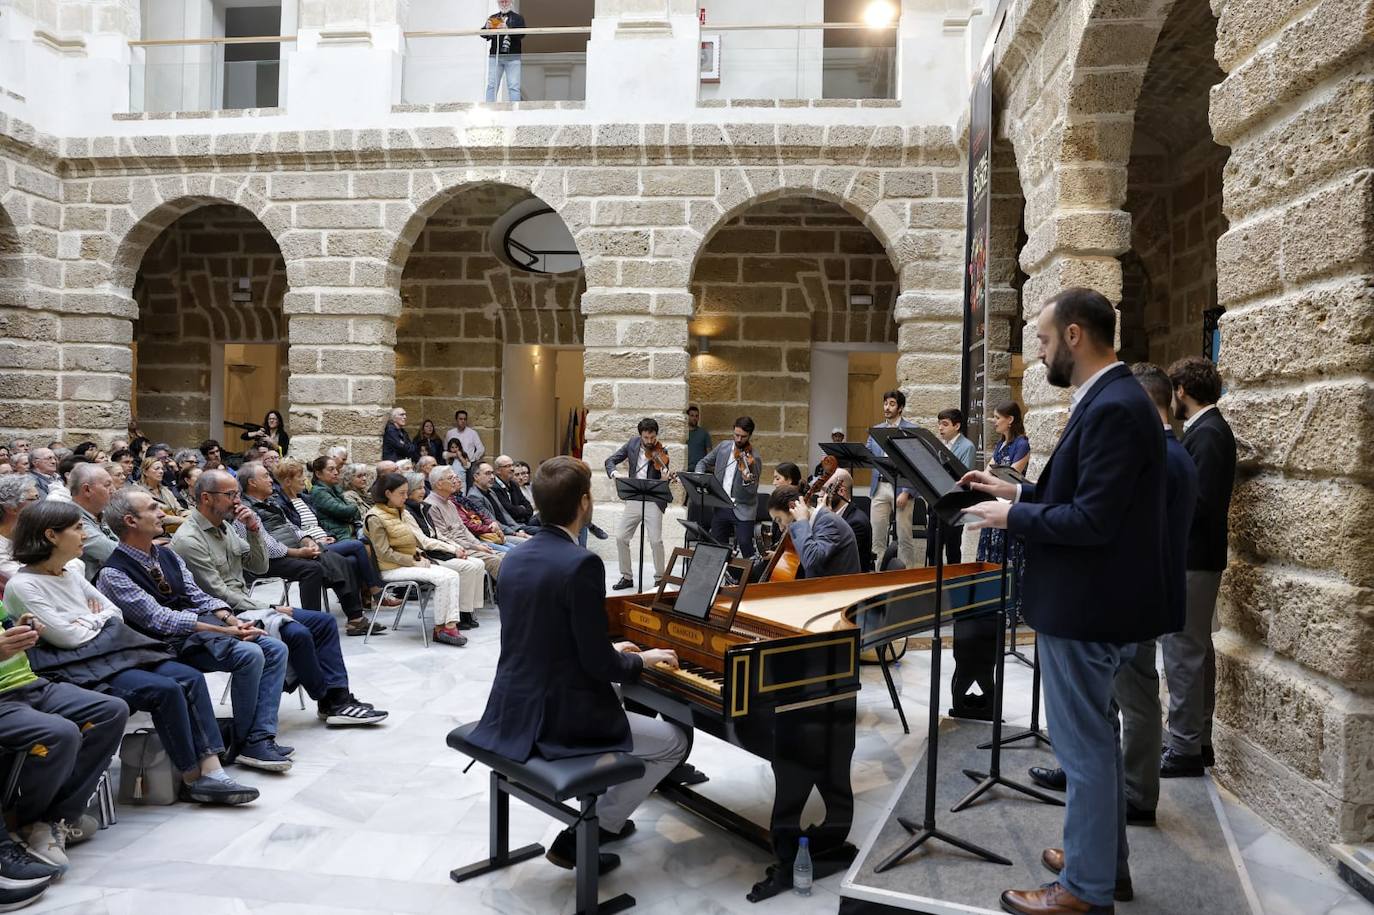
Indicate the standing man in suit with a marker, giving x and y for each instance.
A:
(886, 501)
(1190, 664)
(737, 466)
(643, 454)
(1094, 529)
(552, 695)
(823, 540)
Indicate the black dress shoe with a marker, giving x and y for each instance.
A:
(622, 585)
(1173, 764)
(563, 853)
(1139, 816)
(1053, 779)
(605, 836)
(597, 532)
(1209, 756)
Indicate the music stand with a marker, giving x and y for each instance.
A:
(633, 489)
(707, 491)
(699, 533)
(849, 454)
(926, 462)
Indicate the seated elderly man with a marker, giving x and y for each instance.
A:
(508, 494)
(483, 495)
(154, 589)
(444, 517)
(303, 560)
(221, 539)
(43, 469)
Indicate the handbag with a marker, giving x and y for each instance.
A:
(146, 774)
(440, 555)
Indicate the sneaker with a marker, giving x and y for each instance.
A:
(84, 828)
(21, 870)
(349, 712)
(622, 584)
(12, 900)
(48, 843)
(449, 636)
(261, 754)
(1173, 764)
(224, 791)
(286, 751)
(563, 853)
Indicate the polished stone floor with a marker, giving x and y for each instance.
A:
(372, 820)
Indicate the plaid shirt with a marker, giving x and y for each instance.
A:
(142, 610)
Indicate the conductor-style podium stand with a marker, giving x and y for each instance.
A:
(633, 489)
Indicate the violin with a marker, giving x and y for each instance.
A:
(820, 485)
(741, 457)
(658, 457)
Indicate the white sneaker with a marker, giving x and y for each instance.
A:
(47, 842)
(84, 827)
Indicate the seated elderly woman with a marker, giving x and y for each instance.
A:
(153, 477)
(83, 640)
(356, 482)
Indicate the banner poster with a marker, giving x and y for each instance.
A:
(973, 390)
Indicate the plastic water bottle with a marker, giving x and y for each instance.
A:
(801, 868)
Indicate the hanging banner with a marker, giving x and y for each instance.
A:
(973, 390)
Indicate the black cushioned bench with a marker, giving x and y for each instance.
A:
(545, 784)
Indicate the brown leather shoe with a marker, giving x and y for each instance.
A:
(1053, 859)
(1052, 899)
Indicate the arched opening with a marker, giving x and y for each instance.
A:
(793, 325)
(1174, 196)
(210, 339)
(485, 329)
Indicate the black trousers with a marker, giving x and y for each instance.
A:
(330, 570)
(951, 537)
(724, 523)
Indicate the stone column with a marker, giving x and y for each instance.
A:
(348, 60)
(1295, 717)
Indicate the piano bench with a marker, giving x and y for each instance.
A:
(545, 784)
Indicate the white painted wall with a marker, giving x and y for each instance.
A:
(539, 385)
(829, 397)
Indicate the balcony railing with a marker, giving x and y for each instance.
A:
(200, 74)
(457, 66)
(835, 60)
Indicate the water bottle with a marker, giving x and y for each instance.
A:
(801, 868)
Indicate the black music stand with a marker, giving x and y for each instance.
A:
(705, 490)
(1035, 732)
(987, 780)
(633, 489)
(926, 462)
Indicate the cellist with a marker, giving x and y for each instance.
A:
(737, 465)
(648, 460)
(824, 542)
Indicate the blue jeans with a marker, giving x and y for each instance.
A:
(356, 553)
(256, 671)
(183, 715)
(1086, 731)
(510, 65)
(312, 639)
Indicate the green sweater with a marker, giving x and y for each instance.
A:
(15, 672)
(336, 514)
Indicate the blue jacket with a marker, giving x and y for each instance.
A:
(1094, 523)
(826, 545)
(1181, 485)
(552, 694)
(397, 446)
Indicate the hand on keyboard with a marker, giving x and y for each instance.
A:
(659, 657)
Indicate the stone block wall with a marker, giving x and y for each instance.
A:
(768, 284)
(460, 305)
(187, 292)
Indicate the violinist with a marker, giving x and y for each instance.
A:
(648, 460)
(737, 466)
(824, 542)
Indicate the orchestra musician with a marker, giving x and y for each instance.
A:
(648, 460)
(822, 539)
(736, 464)
(552, 694)
(839, 495)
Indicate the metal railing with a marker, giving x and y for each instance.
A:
(200, 74)
(821, 60)
(456, 65)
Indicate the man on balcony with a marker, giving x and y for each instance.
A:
(504, 51)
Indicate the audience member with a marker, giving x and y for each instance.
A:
(152, 475)
(153, 588)
(217, 552)
(17, 493)
(508, 494)
(186, 483)
(118, 478)
(87, 644)
(443, 515)
(522, 480)
(473, 449)
(453, 455)
(356, 483)
(698, 439)
(427, 441)
(400, 556)
(448, 553)
(483, 479)
(396, 445)
(44, 472)
(214, 455)
(125, 459)
(91, 492)
(339, 453)
(274, 434)
(20, 462)
(339, 516)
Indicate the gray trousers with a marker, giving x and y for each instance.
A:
(1137, 693)
(884, 505)
(661, 745)
(625, 534)
(1190, 667)
(70, 734)
(1086, 729)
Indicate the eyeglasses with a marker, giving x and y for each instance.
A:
(222, 492)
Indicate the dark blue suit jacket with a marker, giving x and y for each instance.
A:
(1094, 523)
(826, 545)
(552, 694)
(1180, 485)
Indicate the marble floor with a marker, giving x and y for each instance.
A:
(372, 820)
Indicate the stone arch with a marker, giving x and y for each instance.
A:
(474, 330)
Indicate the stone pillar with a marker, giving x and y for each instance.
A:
(348, 61)
(1295, 662)
(643, 55)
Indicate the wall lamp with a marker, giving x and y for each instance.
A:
(703, 345)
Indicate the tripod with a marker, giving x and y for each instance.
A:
(994, 775)
(927, 829)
